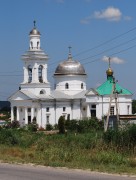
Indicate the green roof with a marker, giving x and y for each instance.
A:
(106, 88)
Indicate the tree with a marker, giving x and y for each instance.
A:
(133, 106)
(61, 125)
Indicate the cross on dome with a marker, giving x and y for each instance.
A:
(34, 24)
(109, 62)
(69, 55)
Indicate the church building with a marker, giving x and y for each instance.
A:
(70, 98)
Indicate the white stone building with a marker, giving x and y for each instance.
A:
(70, 98)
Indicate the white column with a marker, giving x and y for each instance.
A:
(35, 78)
(12, 113)
(17, 113)
(25, 74)
(88, 111)
(39, 117)
(32, 114)
(26, 116)
(45, 74)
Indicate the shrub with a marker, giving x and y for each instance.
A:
(84, 125)
(55, 127)
(14, 124)
(61, 125)
(32, 127)
(49, 127)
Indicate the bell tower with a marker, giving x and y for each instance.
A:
(35, 65)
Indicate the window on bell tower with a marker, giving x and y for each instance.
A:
(66, 86)
(38, 44)
(40, 73)
(82, 86)
(31, 44)
(29, 74)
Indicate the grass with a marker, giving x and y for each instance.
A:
(84, 151)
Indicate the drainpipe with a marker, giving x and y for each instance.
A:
(55, 109)
(80, 107)
(102, 106)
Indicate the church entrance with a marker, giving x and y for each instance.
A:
(29, 119)
(93, 113)
(93, 110)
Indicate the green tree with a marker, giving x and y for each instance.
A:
(134, 106)
(61, 125)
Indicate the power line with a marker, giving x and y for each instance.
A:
(98, 59)
(112, 39)
(111, 54)
(121, 44)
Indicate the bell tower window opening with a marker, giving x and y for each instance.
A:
(64, 109)
(31, 43)
(66, 86)
(38, 44)
(82, 86)
(40, 73)
(29, 74)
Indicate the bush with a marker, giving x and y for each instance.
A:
(49, 127)
(32, 127)
(14, 124)
(61, 125)
(122, 138)
(84, 125)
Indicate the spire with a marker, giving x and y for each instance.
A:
(70, 55)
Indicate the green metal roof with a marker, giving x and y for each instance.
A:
(106, 88)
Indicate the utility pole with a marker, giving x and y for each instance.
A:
(114, 94)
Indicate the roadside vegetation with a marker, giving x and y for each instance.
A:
(78, 144)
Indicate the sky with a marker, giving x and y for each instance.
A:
(95, 29)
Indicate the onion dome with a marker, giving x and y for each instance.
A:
(34, 31)
(70, 67)
(109, 72)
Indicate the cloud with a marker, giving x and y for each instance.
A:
(115, 60)
(108, 14)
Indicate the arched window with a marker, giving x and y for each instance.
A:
(40, 73)
(66, 86)
(37, 44)
(82, 86)
(29, 74)
(31, 44)
(42, 91)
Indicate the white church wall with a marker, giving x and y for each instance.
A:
(77, 110)
(74, 83)
(48, 114)
(63, 108)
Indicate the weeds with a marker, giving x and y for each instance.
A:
(113, 151)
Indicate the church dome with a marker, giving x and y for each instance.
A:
(70, 67)
(34, 31)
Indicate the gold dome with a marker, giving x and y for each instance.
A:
(109, 72)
